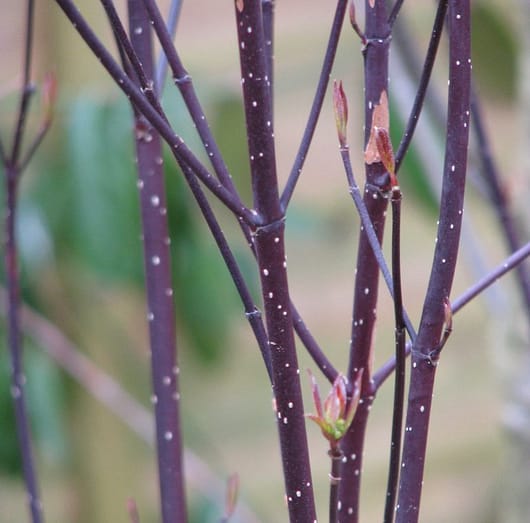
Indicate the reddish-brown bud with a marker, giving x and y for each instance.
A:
(340, 105)
(386, 152)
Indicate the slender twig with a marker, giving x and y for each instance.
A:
(395, 12)
(251, 311)
(318, 100)
(400, 356)
(177, 145)
(13, 167)
(376, 54)
(161, 65)
(440, 283)
(184, 83)
(369, 229)
(514, 260)
(335, 456)
(159, 290)
(27, 87)
(270, 250)
(18, 380)
(430, 58)
(312, 347)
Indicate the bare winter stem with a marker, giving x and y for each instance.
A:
(369, 230)
(334, 480)
(13, 166)
(440, 283)
(367, 270)
(18, 379)
(270, 250)
(159, 290)
(423, 84)
(399, 383)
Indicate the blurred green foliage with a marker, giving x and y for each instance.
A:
(79, 213)
(494, 51)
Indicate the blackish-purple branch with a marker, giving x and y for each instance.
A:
(443, 268)
(159, 290)
(270, 251)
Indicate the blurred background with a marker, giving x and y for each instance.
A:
(81, 263)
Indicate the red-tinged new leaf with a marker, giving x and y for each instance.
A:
(386, 152)
(317, 402)
(340, 105)
(356, 395)
(448, 315)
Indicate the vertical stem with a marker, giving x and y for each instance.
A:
(267, 7)
(334, 478)
(367, 274)
(399, 383)
(440, 283)
(270, 250)
(161, 308)
(18, 379)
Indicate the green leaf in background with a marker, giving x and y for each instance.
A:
(494, 51)
(88, 199)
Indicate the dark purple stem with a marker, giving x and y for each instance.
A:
(395, 12)
(267, 8)
(440, 283)
(334, 478)
(369, 230)
(159, 290)
(314, 114)
(13, 167)
(270, 250)
(312, 347)
(18, 379)
(367, 273)
(400, 357)
(430, 58)
(184, 83)
(177, 145)
(251, 311)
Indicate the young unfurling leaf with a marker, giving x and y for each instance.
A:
(340, 105)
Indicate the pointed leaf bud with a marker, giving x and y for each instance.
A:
(340, 105)
(337, 415)
(386, 152)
